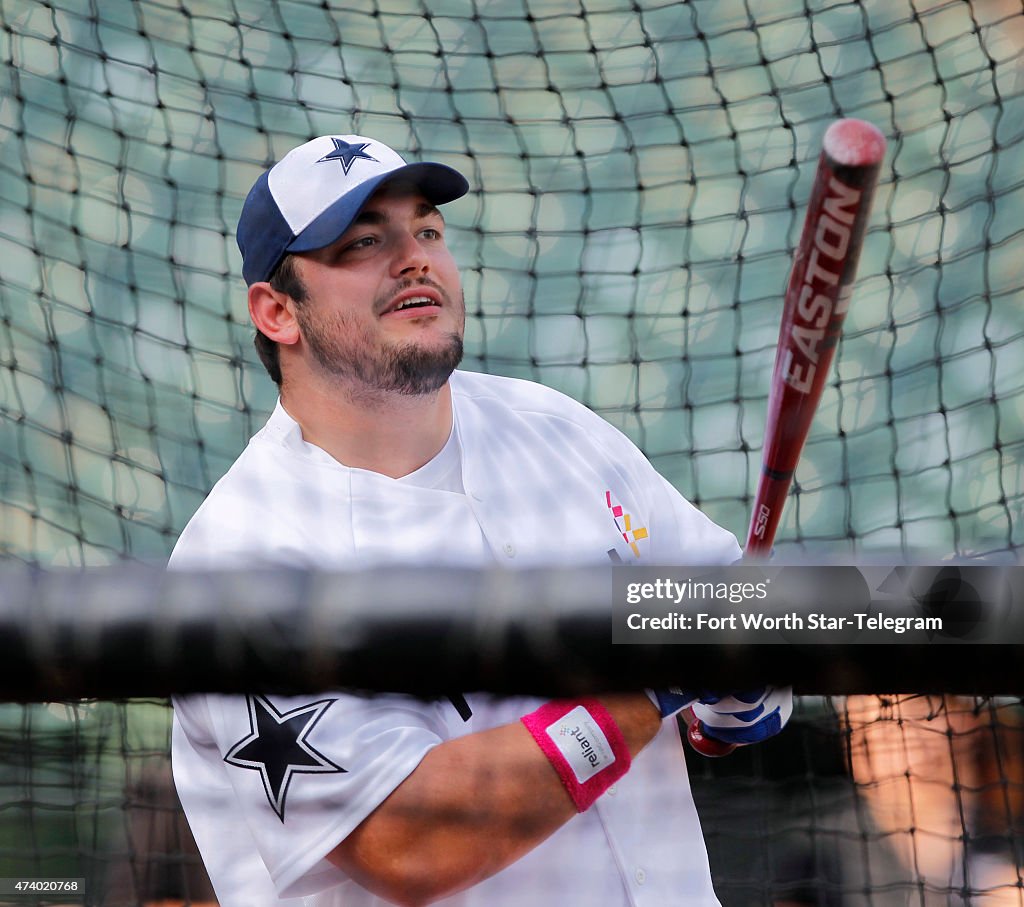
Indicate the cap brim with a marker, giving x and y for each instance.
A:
(438, 183)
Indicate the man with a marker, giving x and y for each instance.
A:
(379, 452)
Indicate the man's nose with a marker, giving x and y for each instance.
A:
(410, 257)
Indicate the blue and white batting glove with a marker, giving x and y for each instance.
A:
(718, 723)
(673, 700)
(749, 716)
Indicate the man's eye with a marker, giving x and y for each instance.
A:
(363, 243)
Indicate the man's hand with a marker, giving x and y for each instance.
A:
(719, 722)
(748, 716)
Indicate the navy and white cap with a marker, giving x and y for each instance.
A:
(312, 195)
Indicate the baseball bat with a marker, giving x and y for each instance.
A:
(816, 301)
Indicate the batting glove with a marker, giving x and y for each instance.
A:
(718, 723)
(749, 716)
(672, 700)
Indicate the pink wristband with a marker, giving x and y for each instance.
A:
(583, 743)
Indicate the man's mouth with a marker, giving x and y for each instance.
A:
(414, 303)
(410, 301)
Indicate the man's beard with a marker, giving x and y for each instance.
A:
(370, 366)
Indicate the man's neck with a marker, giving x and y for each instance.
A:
(392, 434)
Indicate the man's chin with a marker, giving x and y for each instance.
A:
(418, 369)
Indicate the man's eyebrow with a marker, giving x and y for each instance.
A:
(425, 209)
(372, 218)
(378, 218)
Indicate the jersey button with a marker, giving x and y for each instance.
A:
(509, 549)
(640, 876)
(611, 791)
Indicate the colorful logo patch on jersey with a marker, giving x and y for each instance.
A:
(277, 748)
(624, 523)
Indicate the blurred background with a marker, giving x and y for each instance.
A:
(639, 171)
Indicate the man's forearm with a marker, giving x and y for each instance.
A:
(473, 806)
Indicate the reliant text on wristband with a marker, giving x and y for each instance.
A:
(583, 743)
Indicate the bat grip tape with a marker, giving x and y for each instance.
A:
(583, 743)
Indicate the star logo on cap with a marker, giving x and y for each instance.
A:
(348, 153)
(277, 747)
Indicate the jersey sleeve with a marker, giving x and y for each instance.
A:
(684, 534)
(299, 773)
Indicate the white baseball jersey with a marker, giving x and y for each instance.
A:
(272, 784)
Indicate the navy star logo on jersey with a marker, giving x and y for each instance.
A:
(277, 747)
(348, 153)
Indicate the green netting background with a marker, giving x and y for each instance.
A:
(639, 172)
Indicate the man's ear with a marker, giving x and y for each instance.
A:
(273, 313)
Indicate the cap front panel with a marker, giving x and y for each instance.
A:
(310, 178)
